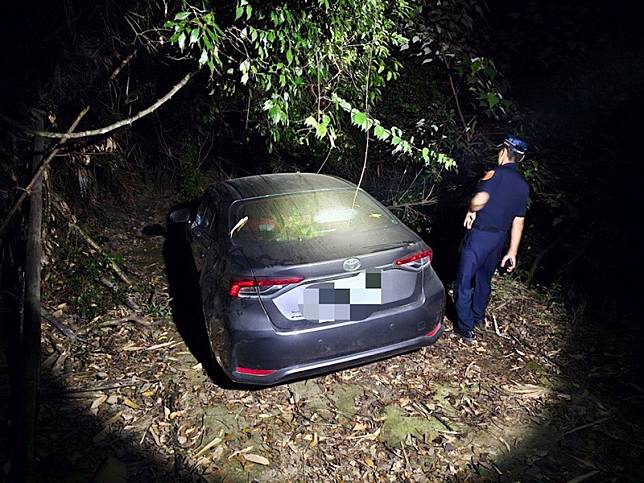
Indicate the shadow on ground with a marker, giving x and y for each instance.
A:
(74, 445)
(595, 432)
(187, 313)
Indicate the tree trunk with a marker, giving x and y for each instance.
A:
(27, 393)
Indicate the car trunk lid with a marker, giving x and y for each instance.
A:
(338, 290)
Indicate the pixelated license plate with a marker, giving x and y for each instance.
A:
(342, 299)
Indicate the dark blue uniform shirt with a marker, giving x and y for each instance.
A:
(508, 198)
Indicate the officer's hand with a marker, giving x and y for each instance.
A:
(469, 219)
(512, 259)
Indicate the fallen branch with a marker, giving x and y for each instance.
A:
(584, 477)
(97, 247)
(443, 422)
(587, 425)
(129, 318)
(104, 387)
(38, 174)
(496, 328)
(131, 304)
(93, 244)
(58, 325)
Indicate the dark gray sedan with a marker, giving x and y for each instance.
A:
(304, 273)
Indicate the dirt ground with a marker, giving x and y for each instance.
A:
(132, 394)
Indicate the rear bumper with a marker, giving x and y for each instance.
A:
(278, 356)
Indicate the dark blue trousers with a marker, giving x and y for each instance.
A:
(479, 257)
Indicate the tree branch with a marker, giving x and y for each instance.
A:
(429, 202)
(39, 173)
(116, 125)
(366, 148)
(458, 106)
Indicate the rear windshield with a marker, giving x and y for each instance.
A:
(306, 216)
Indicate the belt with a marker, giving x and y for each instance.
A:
(492, 229)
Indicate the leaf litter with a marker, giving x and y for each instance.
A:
(452, 412)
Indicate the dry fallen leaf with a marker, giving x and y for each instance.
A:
(314, 443)
(359, 427)
(527, 390)
(255, 458)
(98, 401)
(217, 453)
(129, 403)
(212, 443)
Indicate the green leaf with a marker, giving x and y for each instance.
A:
(182, 41)
(310, 121)
(244, 78)
(203, 58)
(492, 99)
(359, 119)
(289, 56)
(275, 114)
(239, 11)
(321, 131)
(206, 41)
(194, 36)
(425, 154)
(182, 15)
(380, 132)
(343, 104)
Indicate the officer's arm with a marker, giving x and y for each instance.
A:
(479, 200)
(515, 239)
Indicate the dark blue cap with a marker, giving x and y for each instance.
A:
(517, 145)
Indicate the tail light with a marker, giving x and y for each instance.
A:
(257, 287)
(416, 260)
(254, 372)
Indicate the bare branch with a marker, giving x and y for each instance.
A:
(427, 202)
(39, 173)
(116, 125)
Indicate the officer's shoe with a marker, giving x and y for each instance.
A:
(465, 335)
(479, 324)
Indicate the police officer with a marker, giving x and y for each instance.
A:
(499, 205)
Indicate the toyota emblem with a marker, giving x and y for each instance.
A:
(351, 264)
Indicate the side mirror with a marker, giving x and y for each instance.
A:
(181, 215)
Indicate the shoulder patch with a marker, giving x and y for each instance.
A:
(488, 175)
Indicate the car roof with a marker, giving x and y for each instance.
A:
(283, 183)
